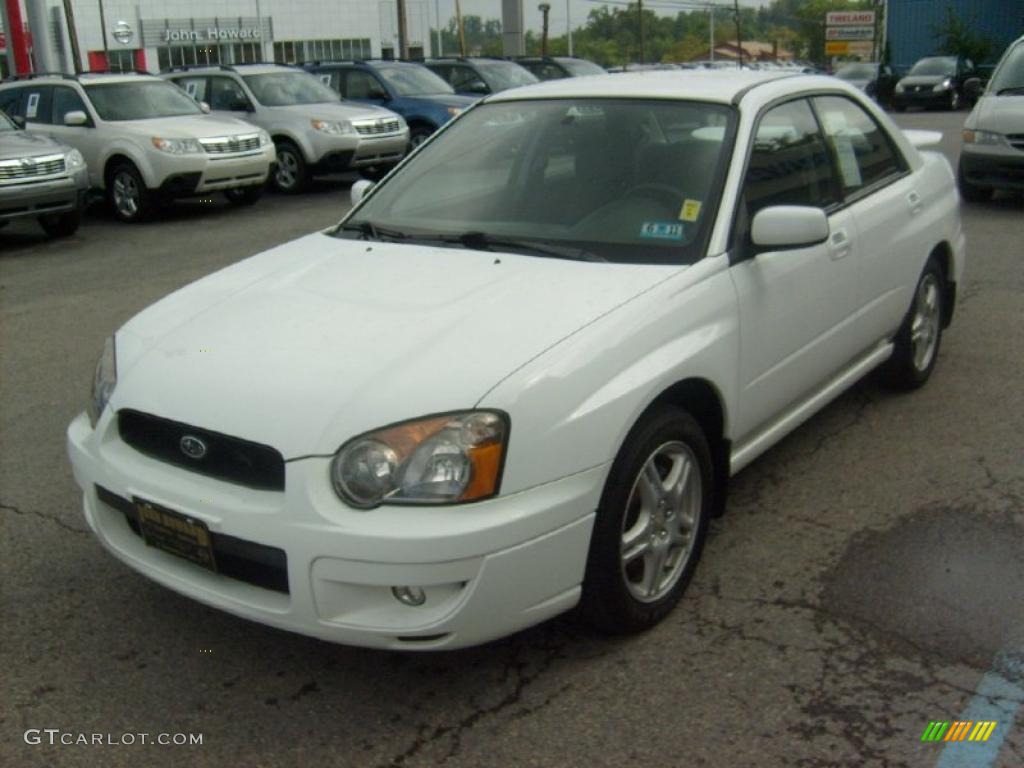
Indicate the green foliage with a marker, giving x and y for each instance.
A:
(957, 37)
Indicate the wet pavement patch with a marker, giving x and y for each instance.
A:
(945, 580)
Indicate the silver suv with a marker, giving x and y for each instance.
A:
(144, 141)
(42, 179)
(313, 129)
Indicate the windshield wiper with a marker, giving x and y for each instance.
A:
(371, 231)
(1012, 89)
(481, 241)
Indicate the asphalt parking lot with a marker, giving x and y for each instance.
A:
(867, 579)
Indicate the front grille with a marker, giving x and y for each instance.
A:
(255, 564)
(1016, 140)
(227, 145)
(30, 168)
(226, 458)
(377, 127)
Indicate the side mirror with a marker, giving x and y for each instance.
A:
(359, 191)
(76, 117)
(973, 87)
(788, 226)
(205, 107)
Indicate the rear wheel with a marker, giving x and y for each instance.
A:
(61, 224)
(244, 195)
(651, 523)
(917, 342)
(129, 197)
(292, 173)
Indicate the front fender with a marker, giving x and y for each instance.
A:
(129, 148)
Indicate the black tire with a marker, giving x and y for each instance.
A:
(918, 340)
(375, 173)
(129, 198)
(955, 100)
(291, 175)
(61, 224)
(972, 193)
(613, 578)
(244, 196)
(419, 134)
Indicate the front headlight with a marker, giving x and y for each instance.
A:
(899, 88)
(453, 111)
(454, 457)
(73, 160)
(104, 381)
(945, 85)
(265, 139)
(333, 127)
(989, 138)
(177, 146)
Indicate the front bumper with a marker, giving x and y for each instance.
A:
(198, 174)
(384, 150)
(44, 197)
(927, 98)
(993, 167)
(488, 569)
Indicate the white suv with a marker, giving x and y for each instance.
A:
(144, 141)
(315, 132)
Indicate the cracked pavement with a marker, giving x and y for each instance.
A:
(866, 573)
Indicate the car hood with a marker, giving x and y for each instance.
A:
(14, 144)
(313, 342)
(924, 79)
(331, 110)
(1002, 114)
(188, 126)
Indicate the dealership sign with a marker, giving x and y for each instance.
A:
(210, 34)
(850, 33)
(849, 18)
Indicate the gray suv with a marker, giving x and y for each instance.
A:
(42, 179)
(313, 129)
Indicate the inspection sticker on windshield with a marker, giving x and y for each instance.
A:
(662, 230)
(690, 210)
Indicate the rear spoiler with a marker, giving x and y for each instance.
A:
(922, 139)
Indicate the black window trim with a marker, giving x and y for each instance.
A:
(733, 250)
(90, 121)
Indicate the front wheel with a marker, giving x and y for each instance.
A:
(61, 224)
(917, 342)
(419, 135)
(129, 197)
(292, 173)
(376, 172)
(650, 525)
(955, 100)
(244, 195)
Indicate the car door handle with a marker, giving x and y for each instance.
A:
(914, 201)
(840, 244)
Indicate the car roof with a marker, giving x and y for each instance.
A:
(85, 78)
(701, 85)
(241, 69)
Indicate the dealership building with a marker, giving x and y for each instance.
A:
(157, 34)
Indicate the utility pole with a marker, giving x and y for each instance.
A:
(739, 33)
(403, 35)
(437, 13)
(544, 8)
(568, 25)
(711, 13)
(462, 32)
(76, 55)
(640, 11)
(103, 28)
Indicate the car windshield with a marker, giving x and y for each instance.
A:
(580, 67)
(141, 100)
(621, 180)
(934, 66)
(857, 72)
(504, 74)
(1009, 76)
(413, 80)
(284, 89)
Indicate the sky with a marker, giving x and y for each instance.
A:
(577, 10)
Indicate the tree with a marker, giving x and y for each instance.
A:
(957, 38)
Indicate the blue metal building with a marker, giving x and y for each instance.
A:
(913, 25)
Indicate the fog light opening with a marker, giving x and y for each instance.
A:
(413, 596)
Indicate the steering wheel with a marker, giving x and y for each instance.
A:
(661, 191)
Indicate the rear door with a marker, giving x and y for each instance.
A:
(797, 307)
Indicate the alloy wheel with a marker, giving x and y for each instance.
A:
(924, 328)
(127, 196)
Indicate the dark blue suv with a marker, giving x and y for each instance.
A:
(425, 100)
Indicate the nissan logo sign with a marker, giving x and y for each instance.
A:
(123, 32)
(192, 447)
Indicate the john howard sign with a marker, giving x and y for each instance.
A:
(210, 34)
(235, 29)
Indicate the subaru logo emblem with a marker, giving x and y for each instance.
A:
(192, 447)
(28, 162)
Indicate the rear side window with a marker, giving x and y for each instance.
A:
(863, 152)
(66, 100)
(789, 164)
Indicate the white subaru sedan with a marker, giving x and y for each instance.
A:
(516, 378)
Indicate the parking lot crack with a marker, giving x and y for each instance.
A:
(42, 516)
